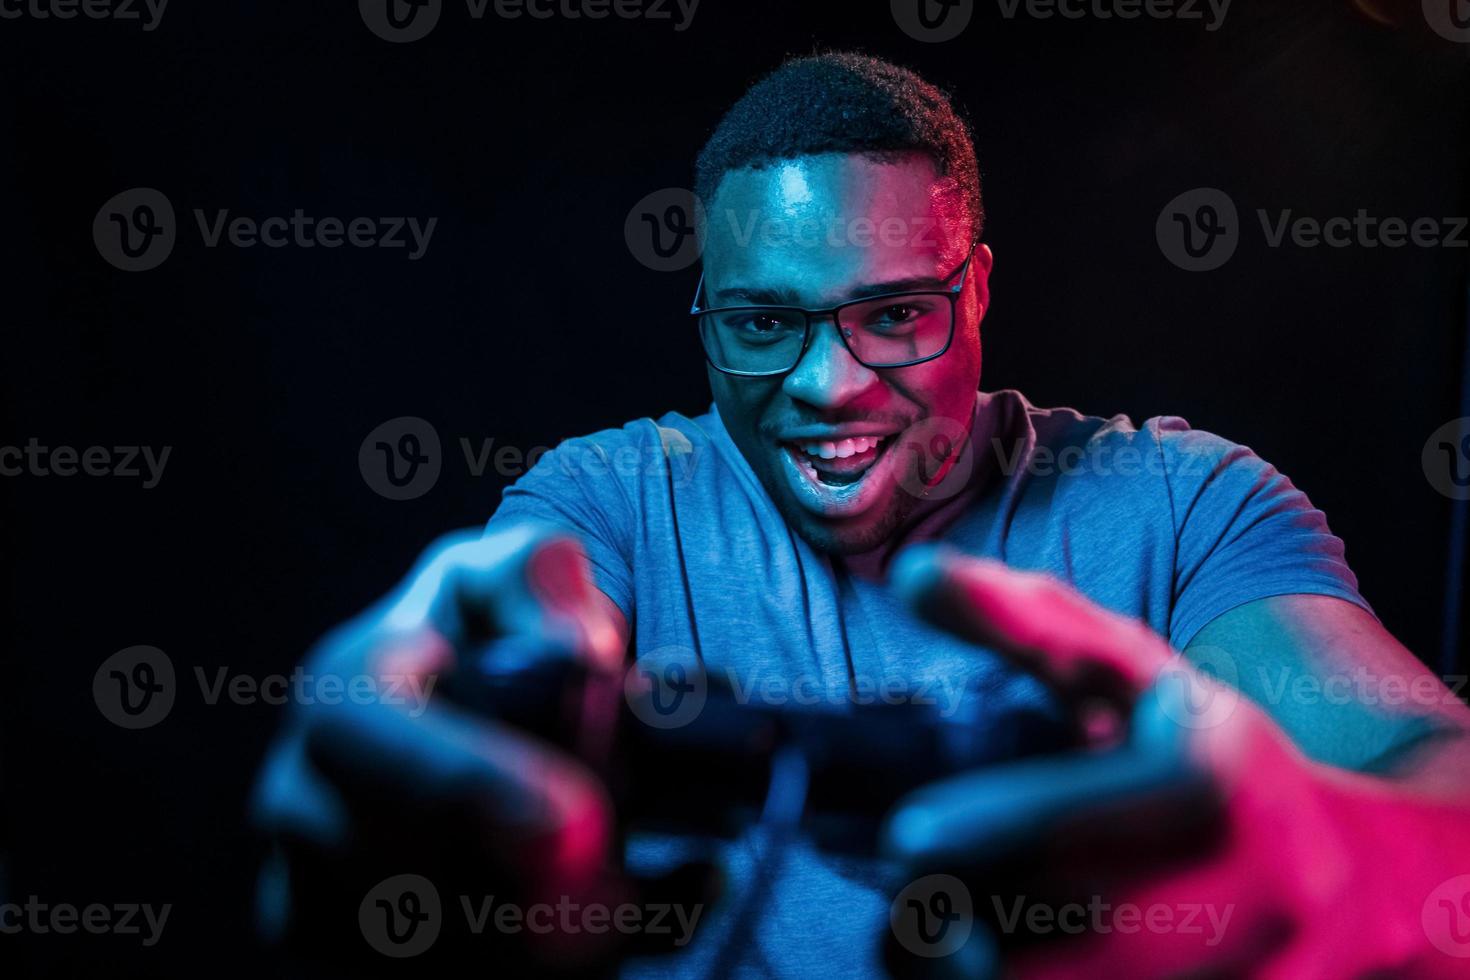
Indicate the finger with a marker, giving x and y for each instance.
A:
(1117, 802)
(1042, 624)
(520, 801)
(529, 580)
(1083, 814)
(290, 800)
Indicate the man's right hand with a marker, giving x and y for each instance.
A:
(403, 780)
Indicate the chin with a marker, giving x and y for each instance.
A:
(854, 537)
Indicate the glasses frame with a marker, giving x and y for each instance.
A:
(952, 294)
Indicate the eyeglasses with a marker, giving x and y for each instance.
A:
(890, 330)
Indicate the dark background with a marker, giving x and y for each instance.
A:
(529, 320)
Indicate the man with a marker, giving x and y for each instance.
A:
(1055, 563)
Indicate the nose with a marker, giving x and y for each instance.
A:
(827, 376)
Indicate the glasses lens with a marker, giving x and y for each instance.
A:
(897, 329)
(755, 341)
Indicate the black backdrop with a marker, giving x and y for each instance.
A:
(528, 319)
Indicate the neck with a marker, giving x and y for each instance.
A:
(937, 510)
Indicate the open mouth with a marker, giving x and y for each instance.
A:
(838, 464)
(838, 479)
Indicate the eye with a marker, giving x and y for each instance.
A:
(765, 323)
(761, 326)
(894, 318)
(898, 313)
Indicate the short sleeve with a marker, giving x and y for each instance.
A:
(1243, 531)
(576, 487)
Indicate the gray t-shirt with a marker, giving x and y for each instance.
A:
(1160, 522)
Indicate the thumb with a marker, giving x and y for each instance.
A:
(528, 580)
(1038, 622)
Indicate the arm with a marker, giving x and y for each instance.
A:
(1346, 692)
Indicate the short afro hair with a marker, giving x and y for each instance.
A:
(842, 102)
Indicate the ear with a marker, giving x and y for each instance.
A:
(980, 265)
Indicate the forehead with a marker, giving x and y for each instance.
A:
(818, 226)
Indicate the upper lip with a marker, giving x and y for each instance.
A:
(818, 433)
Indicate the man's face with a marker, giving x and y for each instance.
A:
(815, 232)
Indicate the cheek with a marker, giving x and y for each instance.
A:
(729, 397)
(946, 387)
(740, 400)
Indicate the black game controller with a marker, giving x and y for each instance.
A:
(710, 771)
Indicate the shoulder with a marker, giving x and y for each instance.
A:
(1067, 426)
(1162, 465)
(1058, 428)
(673, 444)
(1065, 442)
(672, 431)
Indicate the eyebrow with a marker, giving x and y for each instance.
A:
(784, 297)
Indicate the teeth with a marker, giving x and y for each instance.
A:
(841, 449)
